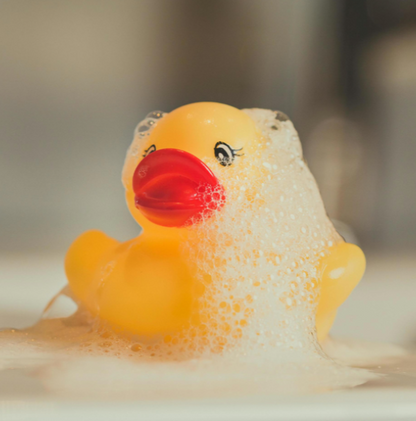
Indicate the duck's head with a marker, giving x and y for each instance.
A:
(167, 182)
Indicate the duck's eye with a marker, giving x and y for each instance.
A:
(149, 150)
(225, 154)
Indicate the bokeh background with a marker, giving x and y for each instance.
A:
(77, 76)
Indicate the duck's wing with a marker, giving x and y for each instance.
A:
(83, 259)
(342, 269)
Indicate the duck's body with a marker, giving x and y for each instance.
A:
(151, 286)
(143, 286)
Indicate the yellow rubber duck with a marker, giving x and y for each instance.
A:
(147, 286)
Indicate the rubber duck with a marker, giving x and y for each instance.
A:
(175, 179)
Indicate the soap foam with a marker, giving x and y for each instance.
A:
(261, 250)
(257, 313)
(268, 238)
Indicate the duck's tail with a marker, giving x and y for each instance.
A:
(83, 258)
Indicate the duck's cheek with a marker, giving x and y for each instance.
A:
(243, 182)
(173, 188)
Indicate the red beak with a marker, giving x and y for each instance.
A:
(174, 188)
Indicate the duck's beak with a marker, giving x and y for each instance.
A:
(174, 188)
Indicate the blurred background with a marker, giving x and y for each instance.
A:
(77, 76)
